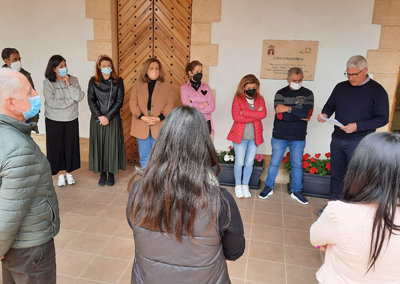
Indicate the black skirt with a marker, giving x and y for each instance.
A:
(62, 144)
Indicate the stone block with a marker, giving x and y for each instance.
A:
(205, 53)
(389, 82)
(214, 94)
(383, 62)
(95, 48)
(102, 30)
(201, 33)
(206, 11)
(390, 37)
(98, 9)
(206, 74)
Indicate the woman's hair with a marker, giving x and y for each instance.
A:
(178, 179)
(248, 79)
(54, 61)
(143, 74)
(191, 65)
(97, 70)
(373, 176)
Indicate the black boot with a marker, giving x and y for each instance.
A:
(103, 179)
(111, 179)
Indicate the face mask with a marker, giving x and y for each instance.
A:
(153, 74)
(62, 72)
(197, 77)
(35, 107)
(250, 92)
(295, 86)
(106, 70)
(16, 66)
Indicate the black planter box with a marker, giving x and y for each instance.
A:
(313, 185)
(227, 177)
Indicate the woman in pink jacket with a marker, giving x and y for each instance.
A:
(196, 94)
(248, 109)
(361, 233)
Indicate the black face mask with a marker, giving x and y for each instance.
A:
(197, 77)
(250, 92)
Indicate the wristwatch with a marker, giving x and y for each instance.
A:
(290, 110)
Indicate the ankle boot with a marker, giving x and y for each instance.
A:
(103, 179)
(111, 179)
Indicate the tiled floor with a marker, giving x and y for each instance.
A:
(95, 244)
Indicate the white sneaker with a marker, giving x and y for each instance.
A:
(70, 179)
(61, 180)
(239, 191)
(246, 192)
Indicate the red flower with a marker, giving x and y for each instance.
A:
(328, 155)
(305, 165)
(285, 160)
(312, 160)
(328, 166)
(288, 154)
(305, 157)
(313, 170)
(230, 147)
(318, 155)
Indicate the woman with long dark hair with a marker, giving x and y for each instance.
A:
(106, 143)
(62, 94)
(185, 226)
(361, 233)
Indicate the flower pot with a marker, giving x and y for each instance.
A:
(227, 176)
(313, 185)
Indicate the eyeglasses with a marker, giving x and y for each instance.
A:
(354, 75)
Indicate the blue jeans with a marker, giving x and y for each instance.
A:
(296, 149)
(145, 146)
(244, 156)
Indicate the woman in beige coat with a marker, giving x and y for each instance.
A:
(151, 100)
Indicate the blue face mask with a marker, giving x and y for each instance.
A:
(35, 107)
(62, 71)
(106, 70)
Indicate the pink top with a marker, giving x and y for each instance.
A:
(346, 230)
(198, 98)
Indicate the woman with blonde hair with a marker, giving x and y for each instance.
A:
(106, 144)
(152, 98)
(248, 109)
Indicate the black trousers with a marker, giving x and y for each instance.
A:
(341, 153)
(62, 144)
(35, 265)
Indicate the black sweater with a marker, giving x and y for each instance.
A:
(290, 126)
(366, 105)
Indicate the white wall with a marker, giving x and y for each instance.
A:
(342, 27)
(40, 29)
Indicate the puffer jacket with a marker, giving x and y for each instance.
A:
(29, 213)
(247, 116)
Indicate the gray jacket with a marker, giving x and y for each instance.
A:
(29, 214)
(61, 101)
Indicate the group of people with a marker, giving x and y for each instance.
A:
(186, 227)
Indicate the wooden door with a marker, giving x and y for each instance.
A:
(152, 28)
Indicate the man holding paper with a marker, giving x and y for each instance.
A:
(361, 105)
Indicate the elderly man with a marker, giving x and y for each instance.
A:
(293, 107)
(361, 105)
(29, 215)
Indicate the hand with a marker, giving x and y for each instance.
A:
(147, 119)
(103, 120)
(260, 109)
(241, 112)
(205, 104)
(349, 128)
(322, 248)
(188, 101)
(281, 108)
(67, 80)
(320, 119)
(306, 119)
(227, 261)
(1, 257)
(155, 120)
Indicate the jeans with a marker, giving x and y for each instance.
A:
(145, 146)
(296, 149)
(244, 156)
(341, 154)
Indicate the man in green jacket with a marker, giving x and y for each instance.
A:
(29, 212)
(12, 60)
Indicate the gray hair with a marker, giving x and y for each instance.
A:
(9, 84)
(294, 70)
(357, 61)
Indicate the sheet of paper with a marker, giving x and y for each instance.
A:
(331, 121)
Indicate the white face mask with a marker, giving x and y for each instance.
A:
(16, 66)
(295, 86)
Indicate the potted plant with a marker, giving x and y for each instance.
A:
(227, 160)
(316, 174)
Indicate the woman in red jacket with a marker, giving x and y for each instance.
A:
(248, 109)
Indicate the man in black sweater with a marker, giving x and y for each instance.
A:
(361, 105)
(293, 107)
